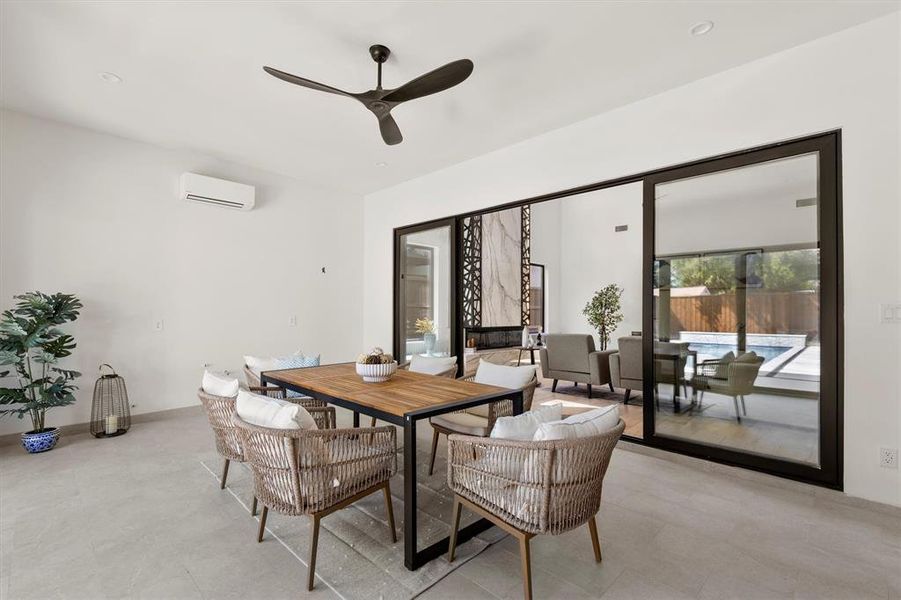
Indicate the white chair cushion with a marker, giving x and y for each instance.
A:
(514, 378)
(272, 412)
(524, 426)
(257, 364)
(461, 422)
(432, 365)
(219, 385)
(586, 424)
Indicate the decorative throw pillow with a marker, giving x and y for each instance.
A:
(747, 357)
(272, 412)
(524, 426)
(432, 365)
(514, 378)
(258, 364)
(296, 361)
(586, 424)
(219, 385)
(722, 369)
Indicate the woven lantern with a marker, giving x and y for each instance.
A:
(110, 415)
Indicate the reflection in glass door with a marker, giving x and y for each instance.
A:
(740, 364)
(425, 267)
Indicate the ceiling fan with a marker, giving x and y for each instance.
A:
(380, 101)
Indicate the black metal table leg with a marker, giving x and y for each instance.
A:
(517, 404)
(410, 552)
(677, 407)
(356, 419)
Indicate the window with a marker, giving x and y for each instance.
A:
(536, 297)
(419, 268)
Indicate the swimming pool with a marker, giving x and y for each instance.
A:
(709, 351)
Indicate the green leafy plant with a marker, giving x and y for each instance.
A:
(32, 343)
(604, 312)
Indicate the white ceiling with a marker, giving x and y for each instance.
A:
(193, 78)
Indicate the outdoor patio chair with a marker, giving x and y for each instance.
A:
(734, 378)
(530, 488)
(220, 410)
(317, 472)
(477, 421)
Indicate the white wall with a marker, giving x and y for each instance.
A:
(577, 236)
(544, 248)
(848, 80)
(593, 255)
(97, 216)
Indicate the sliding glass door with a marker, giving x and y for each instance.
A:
(425, 279)
(741, 334)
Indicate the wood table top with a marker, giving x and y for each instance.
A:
(404, 393)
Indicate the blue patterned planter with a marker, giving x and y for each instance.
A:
(40, 441)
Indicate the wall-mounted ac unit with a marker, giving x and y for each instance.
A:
(218, 192)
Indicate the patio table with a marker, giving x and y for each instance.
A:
(404, 400)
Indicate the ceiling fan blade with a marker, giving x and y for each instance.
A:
(432, 82)
(390, 131)
(305, 82)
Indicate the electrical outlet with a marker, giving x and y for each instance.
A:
(888, 458)
(890, 313)
(292, 321)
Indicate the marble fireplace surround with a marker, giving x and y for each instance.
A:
(503, 252)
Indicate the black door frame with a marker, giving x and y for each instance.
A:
(399, 331)
(831, 301)
(829, 472)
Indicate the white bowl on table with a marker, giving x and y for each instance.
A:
(377, 373)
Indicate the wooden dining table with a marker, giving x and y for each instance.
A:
(404, 400)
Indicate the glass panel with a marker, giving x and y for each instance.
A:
(536, 298)
(587, 242)
(737, 311)
(426, 292)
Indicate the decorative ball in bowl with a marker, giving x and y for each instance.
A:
(376, 366)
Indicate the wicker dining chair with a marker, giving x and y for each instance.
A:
(317, 472)
(478, 421)
(219, 411)
(253, 381)
(530, 488)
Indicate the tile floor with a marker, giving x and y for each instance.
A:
(135, 517)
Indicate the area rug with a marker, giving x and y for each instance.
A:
(356, 558)
(597, 393)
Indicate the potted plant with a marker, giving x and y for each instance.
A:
(32, 343)
(376, 367)
(427, 328)
(603, 312)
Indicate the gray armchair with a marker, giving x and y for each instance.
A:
(572, 357)
(626, 366)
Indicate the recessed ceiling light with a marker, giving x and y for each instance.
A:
(109, 77)
(701, 28)
(381, 164)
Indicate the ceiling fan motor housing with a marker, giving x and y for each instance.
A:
(379, 53)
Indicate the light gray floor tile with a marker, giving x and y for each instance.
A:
(135, 516)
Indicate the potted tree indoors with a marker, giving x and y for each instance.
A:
(32, 344)
(604, 312)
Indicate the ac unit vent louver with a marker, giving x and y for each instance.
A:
(218, 192)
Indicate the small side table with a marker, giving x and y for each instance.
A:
(530, 349)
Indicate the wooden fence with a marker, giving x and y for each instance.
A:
(768, 312)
